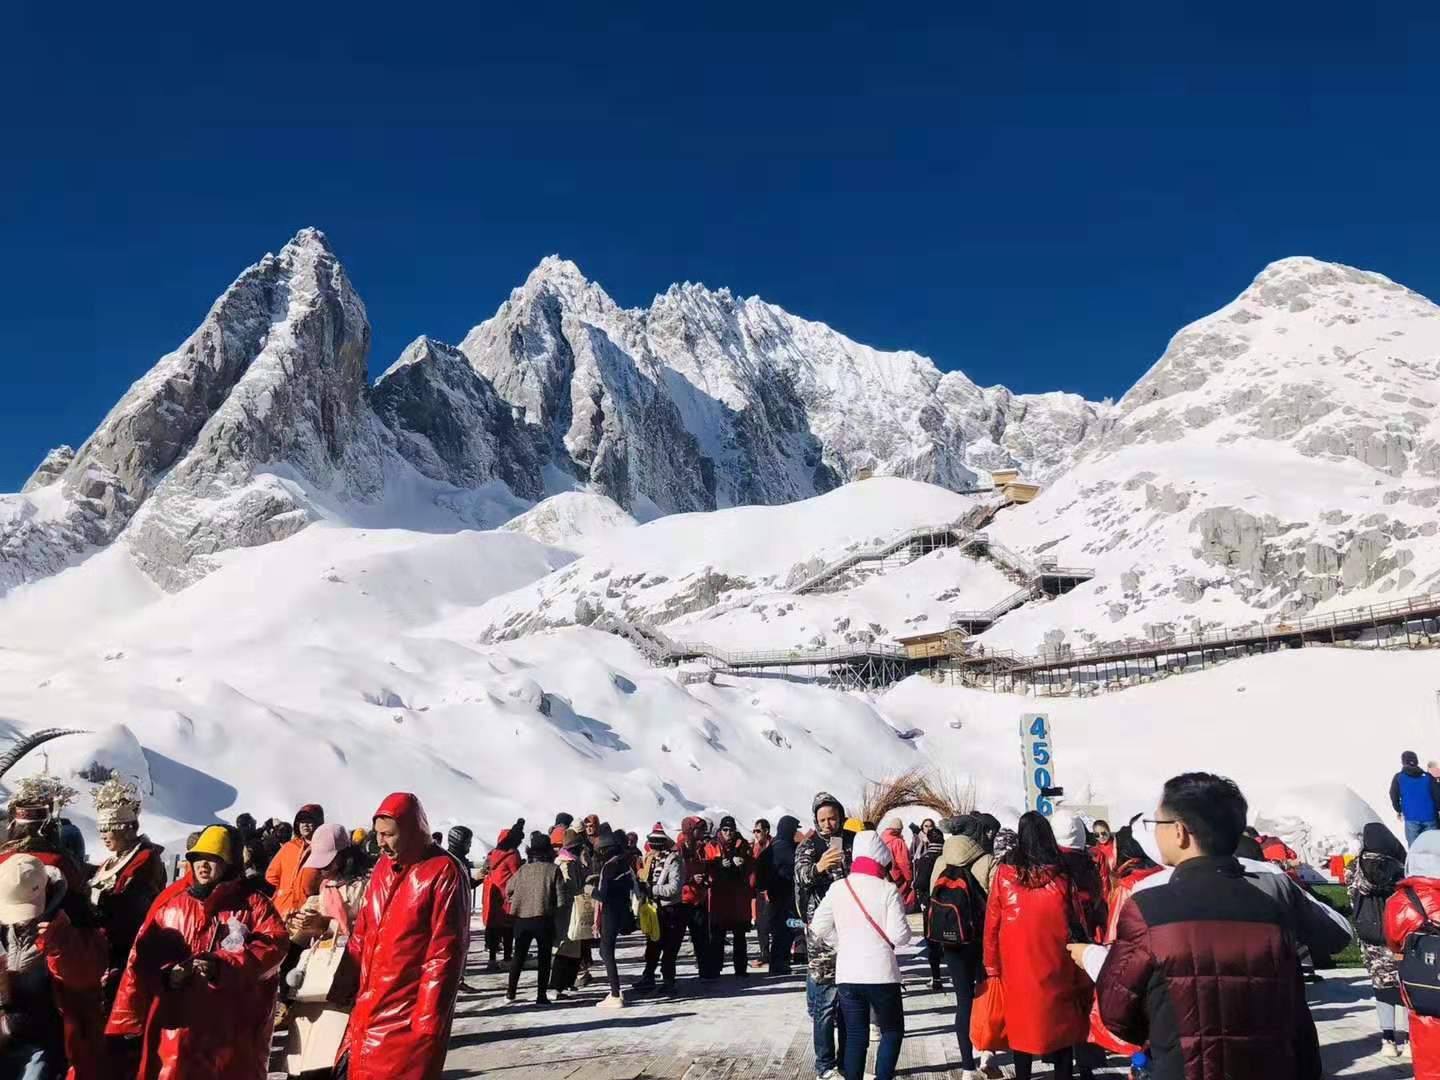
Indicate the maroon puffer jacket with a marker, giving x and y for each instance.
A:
(1204, 969)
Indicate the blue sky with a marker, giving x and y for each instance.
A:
(1038, 197)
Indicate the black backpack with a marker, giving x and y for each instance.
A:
(956, 915)
(1369, 916)
(1420, 966)
(1369, 909)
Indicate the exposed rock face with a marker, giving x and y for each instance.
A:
(718, 401)
(282, 360)
(51, 469)
(449, 423)
(218, 444)
(1279, 456)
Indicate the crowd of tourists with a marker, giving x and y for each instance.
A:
(1175, 946)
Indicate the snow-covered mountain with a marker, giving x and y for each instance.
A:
(1283, 455)
(262, 422)
(744, 402)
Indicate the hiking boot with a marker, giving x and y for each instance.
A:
(542, 1000)
(937, 983)
(610, 1001)
(644, 985)
(1389, 1049)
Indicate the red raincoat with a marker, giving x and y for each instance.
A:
(1047, 998)
(410, 939)
(203, 1031)
(900, 872)
(1402, 920)
(732, 889)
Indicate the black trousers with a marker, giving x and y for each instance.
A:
(738, 950)
(498, 937)
(782, 941)
(673, 920)
(541, 931)
(609, 934)
(697, 922)
(964, 966)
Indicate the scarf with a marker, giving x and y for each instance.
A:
(868, 867)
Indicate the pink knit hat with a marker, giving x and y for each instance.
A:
(329, 840)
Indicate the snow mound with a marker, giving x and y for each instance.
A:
(575, 520)
(688, 563)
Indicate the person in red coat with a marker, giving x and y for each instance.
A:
(731, 865)
(1402, 918)
(53, 978)
(199, 988)
(902, 872)
(1031, 914)
(500, 866)
(1133, 867)
(410, 940)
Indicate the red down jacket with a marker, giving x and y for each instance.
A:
(500, 866)
(901, 872)
(1402, 920)
(1047, 998)
(410, 939)
(203, 1031)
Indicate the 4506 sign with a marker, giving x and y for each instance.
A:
(1037, 762)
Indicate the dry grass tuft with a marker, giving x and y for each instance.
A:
(922, 785)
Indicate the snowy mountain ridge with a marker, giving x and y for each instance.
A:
(261, 422)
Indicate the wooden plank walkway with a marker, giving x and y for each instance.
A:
(757, 1029)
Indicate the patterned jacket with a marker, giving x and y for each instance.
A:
(810, 888)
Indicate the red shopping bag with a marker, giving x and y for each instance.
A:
(987, 1016)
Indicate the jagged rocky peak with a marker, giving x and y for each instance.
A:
(217, 444)
(449, 423)
(51, 468)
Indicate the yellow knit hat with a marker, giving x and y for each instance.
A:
(216, 842)
(854, 824)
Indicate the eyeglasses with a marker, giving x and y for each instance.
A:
(1160, 821)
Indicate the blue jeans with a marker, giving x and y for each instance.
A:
(822, 1003)
(1415, 828)
(29, 1061)
(858, 1003)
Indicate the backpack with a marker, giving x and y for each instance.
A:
(1368, 912)
(956, 914)
(1369, 918)
(1420, 966)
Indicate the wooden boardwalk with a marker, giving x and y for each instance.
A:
(756, 1029)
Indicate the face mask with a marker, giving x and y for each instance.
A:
(1145, 836)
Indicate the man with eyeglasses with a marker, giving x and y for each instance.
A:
(1204, 964)
(760, 839)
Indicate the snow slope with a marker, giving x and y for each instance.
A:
(688, 563)
(1312, 737)
(334, 666)
(344, 663)
(1282, 456)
